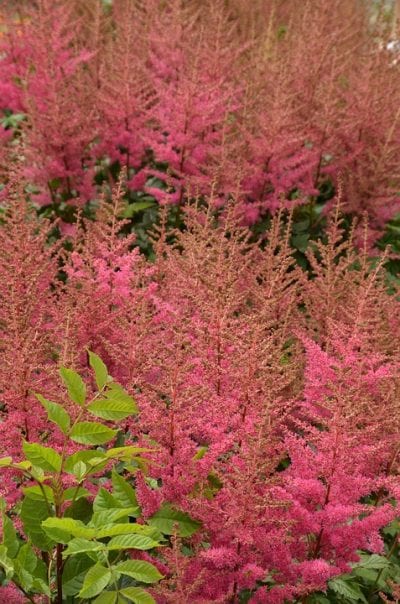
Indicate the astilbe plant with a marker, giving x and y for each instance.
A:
(267, 395)
(27, 266)
(263, 102)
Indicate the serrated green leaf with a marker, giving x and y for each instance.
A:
(95, 459)
(372, 561)
(92, 433)
(110, 409)
(107, 597)
(79, 470)
(115, 392)
(40, 586)
(104, 501)
(122, 542)
(138, 595)
(97, 578)
(81, 509)
(75, 385)
(41, 457)
(40, 494)
(63, 529)
(124, 528)
(74, 572)
(368, 574)
(104, 517)
(348, 589)
(82, 546)
(33, 513)
(125, 453)
(37, 473)
(139, 570)
(10, 538)
(6, 563)
(123, 492)
(56, 413)
(168, 518)
(27, 558)
(99, 368)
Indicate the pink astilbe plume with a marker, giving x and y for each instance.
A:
(193, 67)
(54, 92)
(28, 266)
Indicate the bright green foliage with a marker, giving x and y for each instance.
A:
(86, 543)
(369, 577)
(169, 521)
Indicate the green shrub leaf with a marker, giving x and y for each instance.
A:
(137, 595)
(96, 579)
(100, 370)
(110, 409)
(168, 518)
(74, 384)
(55, 413)
(139, 570)
(92, 433)
(141, 542)
(44, 458)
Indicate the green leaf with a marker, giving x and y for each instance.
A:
(81, 509)
(82, 546)
(63, 529)
(372, 561)
(102, 518)
(79, 470)
(123, 492)
(168, 518)
(110, 409)
(74, 572)
(75, 493)
(75, 385)
(10, 539)
(139, 570)
(96, 579)
(27, 558)
(347, 589)
(368, 574)
(5, 461)
(44, 458)
(104, 501)
(55, 413)
(115, 392)
(300, 242)
(33, 513)
(138, 595)
(201, 452)
(107, 597)
(138, 206)
(40, 494)
(122, 542)
(125, 453)
(99, 368)
(6, 563)
(92, 433)
(95, 459)
(125, 528)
